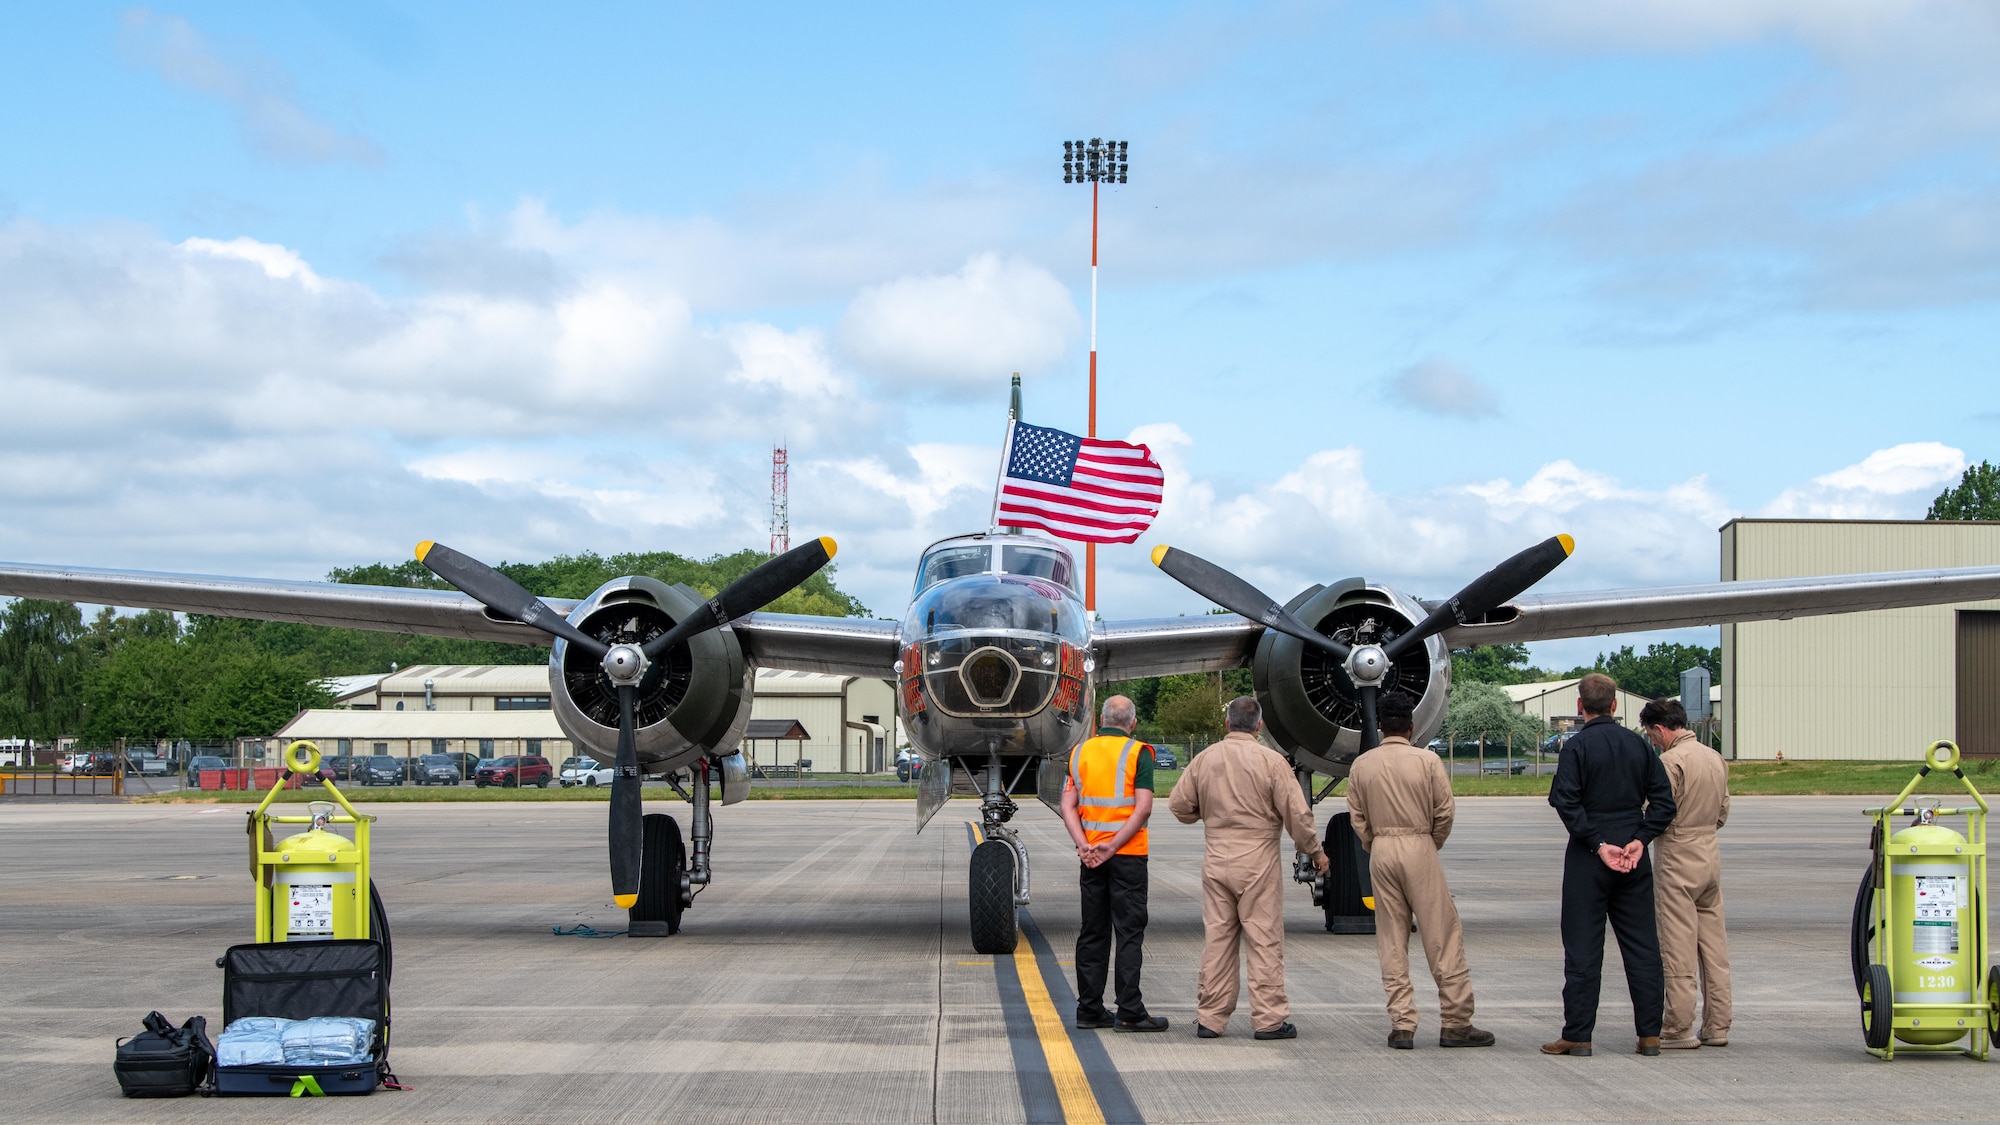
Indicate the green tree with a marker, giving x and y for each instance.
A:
(1188, 708)
(1481, 710)
(1496, 664)
(43, 662)
(140, 691)
(1657, 673)
(1976, 496)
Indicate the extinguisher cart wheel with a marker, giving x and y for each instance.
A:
(1877, 1007)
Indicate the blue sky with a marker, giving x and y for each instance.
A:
(1396, 289)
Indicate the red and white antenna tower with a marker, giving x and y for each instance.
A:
(781, 488)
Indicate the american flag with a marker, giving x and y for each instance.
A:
(1076, 487)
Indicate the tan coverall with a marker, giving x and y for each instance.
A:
(1400, 801)
(1687, 890)
(1243, 792)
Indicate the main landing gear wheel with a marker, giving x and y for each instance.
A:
(995, 926)
(662, 859)
(1877, 1007)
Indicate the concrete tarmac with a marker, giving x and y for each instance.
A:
(827, 976)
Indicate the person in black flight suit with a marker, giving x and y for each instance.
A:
(1614, 797)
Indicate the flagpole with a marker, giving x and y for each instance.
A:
(1090, 549)
(1000, 481)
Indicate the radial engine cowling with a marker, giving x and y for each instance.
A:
(701, 700)
(1310, 707)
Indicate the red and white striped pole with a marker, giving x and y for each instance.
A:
(1090, 549)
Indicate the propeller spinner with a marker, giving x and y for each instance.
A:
(628, 667)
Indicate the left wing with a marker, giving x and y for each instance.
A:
(842, 646)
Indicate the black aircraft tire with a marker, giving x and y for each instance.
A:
(1877, 1010)
(990, 891)
(662, 860)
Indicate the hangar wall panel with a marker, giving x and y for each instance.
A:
(1855, 686)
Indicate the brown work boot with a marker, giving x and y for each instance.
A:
(1467, 1036)
(1649, 1045)
(1403, 1040)
(1565, 1047)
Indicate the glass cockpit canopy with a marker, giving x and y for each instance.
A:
(1028, 560)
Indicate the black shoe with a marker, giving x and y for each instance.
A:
(1204, 1033)
(1143, 1023)
(1403, 1040)
(1091, 1023)
(1467, 1036)
(1282, 1031)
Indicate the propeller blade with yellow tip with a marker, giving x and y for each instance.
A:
(748, 594)
(626, 834)
(1488, 592)
(1237, 596)
(503, 595)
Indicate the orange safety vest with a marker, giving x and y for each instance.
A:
(1103, 770)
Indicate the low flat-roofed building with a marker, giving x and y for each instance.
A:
(850, 721)
(1554, 702)
(411, 734)
(1878, 685)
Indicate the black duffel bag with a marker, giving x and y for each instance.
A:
(165, 1061)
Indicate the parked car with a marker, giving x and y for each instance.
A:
(340, 767)
(147, 762)
(467, 762)
(1165, 760)
(1554, 742)
(908, 765)
(585, 772)
(203, 762)
(515, 771)
(379, 769)
(437, 769)
(101, 763)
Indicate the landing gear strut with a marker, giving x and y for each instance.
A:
(998, 885)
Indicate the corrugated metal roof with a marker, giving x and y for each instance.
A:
(347, 687)
(330, 723)
(766, 730)
(469, 679)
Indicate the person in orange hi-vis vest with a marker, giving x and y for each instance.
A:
(1106, 802)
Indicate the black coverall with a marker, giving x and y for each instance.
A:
(1610, 788)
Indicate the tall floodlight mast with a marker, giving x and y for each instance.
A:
(1094, 162)
(781, 502)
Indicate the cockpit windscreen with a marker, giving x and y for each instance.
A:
(953, 562)
(1038, 562)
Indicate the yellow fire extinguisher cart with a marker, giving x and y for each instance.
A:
(1920, 948)
(311, 885)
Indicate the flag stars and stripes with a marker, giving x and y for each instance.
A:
(1078, 488)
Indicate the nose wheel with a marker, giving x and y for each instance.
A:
(998, 883)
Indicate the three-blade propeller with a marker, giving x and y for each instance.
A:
(1369, 665)
(629, 667)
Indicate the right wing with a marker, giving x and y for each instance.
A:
(387, 609)
(844, 646)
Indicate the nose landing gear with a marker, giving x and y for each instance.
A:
(998, 883)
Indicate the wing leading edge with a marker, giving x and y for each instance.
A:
(842, 646)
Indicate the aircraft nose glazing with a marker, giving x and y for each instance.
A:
(990, 676)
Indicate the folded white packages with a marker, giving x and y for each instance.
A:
(320, 1041)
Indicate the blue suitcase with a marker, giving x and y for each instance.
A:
(299, 980)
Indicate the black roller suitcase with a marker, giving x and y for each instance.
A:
(298, 980)
(1347, 883)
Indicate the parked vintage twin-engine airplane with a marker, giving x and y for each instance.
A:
(996, 662)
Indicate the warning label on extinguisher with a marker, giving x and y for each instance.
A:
(1937, 898)
(311, 911)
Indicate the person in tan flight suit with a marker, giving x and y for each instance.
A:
(1687, 881)
(1244, 792)
(1399, 797)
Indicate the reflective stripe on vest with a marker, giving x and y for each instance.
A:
(1119, 804)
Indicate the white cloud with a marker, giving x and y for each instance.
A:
(1439, 386)
(266, 106)
(1894, 483)
(968, 328)
(276, 261)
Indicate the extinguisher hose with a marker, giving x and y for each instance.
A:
(378, 927)
(1861, 930)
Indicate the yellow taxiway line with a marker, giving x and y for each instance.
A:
(1079, 1101)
